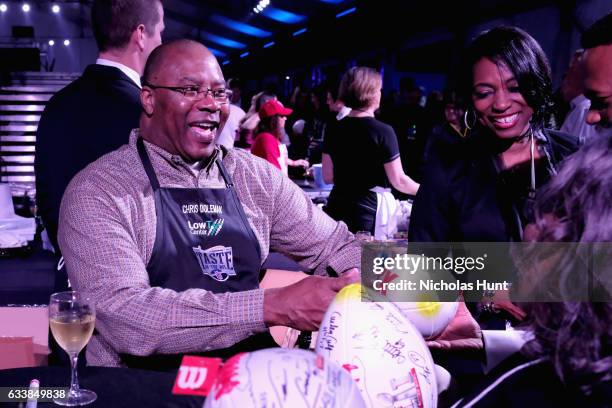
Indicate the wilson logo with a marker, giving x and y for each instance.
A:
(196, 375)
(191, 377)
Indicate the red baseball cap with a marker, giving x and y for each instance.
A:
(273, 107)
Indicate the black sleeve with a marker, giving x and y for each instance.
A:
(388, 143)
(432, 144)
(431, 217)
(46, 199)
(329, 137)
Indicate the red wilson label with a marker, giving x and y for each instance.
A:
(196, 375)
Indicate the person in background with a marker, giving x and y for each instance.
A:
(67, 140)
(409, 121)
(597, 62)
(335, 105)
(434, 109)
(568, 362)
(316, 126)
(235, 86)
(270, 130)
(246, 131)
(446, 136)
(167, 234)
(572, 89)
(361, 156)
(96, 113)
(230, 131)
(303, 113)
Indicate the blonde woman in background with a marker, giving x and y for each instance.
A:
(361, 156)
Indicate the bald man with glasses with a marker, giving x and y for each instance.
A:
(168, 234)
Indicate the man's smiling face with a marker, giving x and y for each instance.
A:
(183, 124)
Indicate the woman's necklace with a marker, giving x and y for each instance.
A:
(516, 154)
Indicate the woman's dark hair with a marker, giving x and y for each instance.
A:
(575, 208)
(263, 98)
(271, 125)
(451, 97)
(521, 54)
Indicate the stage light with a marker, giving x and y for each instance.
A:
(25, 7)
(261, 6)
(240, 26)
(287, 77)
(224, 41)
(55, 8)
(217, 53)
(244, 54)
(345, 12)
(51, 43)
(66, 42)
(283, 16)
(3, 8)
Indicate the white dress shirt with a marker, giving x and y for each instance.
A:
(227, 136)
(575, 123)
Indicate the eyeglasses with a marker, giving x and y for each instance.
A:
(195, 93)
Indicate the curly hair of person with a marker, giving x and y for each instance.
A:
(576, 208)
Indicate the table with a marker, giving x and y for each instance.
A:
(116, 387)
(29, 278)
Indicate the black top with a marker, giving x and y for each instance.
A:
(520, 382)
(90, 117)
(467, 197)
(359, 147)
(442, 143)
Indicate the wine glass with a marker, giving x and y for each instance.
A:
(72, 319)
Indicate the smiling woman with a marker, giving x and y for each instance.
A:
(498, 101)
(484, 193)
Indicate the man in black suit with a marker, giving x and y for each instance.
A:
(95, 114)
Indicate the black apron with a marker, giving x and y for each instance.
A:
(203, 240)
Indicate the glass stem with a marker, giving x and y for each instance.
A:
(74, 378)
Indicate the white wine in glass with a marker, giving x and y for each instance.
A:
(72, 319)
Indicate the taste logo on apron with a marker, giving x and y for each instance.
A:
(216, 262)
